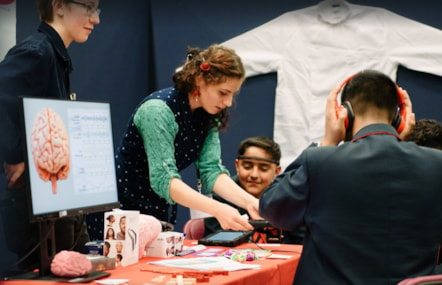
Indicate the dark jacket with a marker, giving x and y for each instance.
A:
(39, 66)
(371, 207)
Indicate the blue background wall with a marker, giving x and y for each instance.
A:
(138, 44)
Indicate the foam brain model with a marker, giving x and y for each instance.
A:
(50, 147)
(70, 264)
(149, 227)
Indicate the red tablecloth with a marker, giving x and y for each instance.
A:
(272, 271)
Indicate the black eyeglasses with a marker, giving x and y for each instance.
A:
(90, 10)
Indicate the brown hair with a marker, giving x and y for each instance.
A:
(45, 9)
(215, 64)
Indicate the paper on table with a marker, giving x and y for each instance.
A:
(206, 263)
(279, 256)
(111, 281)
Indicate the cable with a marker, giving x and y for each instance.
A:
(82, 229)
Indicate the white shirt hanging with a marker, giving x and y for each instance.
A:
(314, 48)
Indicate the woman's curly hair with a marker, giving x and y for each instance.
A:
(216, 64)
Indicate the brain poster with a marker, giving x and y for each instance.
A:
(7, 26)
(50, 147)
(69, 153)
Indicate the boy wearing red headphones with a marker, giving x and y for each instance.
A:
(370, 201)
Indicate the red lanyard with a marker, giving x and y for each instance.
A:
(376, 133)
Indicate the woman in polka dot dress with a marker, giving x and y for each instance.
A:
(179, 126)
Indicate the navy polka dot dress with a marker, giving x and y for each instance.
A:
(134, 185)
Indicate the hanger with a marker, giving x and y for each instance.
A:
(332, 3)
(333, 11)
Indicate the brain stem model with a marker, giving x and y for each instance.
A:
(50, 147)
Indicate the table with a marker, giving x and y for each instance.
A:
(272, 271)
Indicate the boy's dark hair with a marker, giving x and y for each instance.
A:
(371, 88)
(427, 132)
(266, 143)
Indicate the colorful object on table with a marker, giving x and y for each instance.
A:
(70, 264)
(241, 255)
(246, 254)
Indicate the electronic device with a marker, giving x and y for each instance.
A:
(398, 121)
(226, 238)
(70, 166)
(259, 224)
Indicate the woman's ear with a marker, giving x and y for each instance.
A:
(199, 81)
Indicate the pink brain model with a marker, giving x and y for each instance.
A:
(70, 264)
(50, 147)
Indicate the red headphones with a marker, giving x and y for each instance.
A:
(399, 117)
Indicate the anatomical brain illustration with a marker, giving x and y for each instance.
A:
(50, 147)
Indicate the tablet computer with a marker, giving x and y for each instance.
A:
(226, 238)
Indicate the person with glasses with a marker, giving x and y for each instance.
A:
(39, 66)
(91, 9)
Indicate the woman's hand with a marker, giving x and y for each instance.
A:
(230, 219)
(253, 209)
